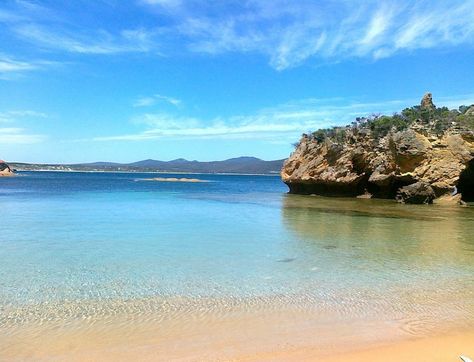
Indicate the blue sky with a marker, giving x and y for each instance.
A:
(122, 81)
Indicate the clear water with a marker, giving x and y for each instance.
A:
(112, 239)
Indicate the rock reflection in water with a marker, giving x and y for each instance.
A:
(380, 244)
(379, 225)
(413, 260)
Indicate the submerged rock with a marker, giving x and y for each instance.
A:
(417, 193)
(354, 161)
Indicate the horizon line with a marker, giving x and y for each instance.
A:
(128, 163)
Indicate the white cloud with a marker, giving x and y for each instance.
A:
(11, 135)
(265, 124)
(12, 116)
(290, 33)
(154, 99)
(59, 29)
(101, 42)
(283, 122)
(164, 3)
(376, 32)
(10, 66)
(18, 135)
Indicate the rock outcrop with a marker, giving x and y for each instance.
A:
(427, 101)
(470, 111)
(5, 170)
(430, 162)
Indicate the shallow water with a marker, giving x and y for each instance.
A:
(92, 246)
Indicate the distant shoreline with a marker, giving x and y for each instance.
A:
(155, 172)
(240, 165)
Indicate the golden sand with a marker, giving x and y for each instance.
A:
(432, 349)
(288, 334)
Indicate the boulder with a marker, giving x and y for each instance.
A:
(5, 170)
(409, 149)
(417, 193)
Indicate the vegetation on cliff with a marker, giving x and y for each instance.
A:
(435, 119)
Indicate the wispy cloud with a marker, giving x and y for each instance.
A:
(287, 33)
(11, 135)
(12, 116)
(277, 124)
(100, 42)
(19, 135)
(11, 67)
(164, 3)
(287, 120)
(291, 33)
(56, 28)
(154, 99)
(264, 125)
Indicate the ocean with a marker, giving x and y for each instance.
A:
(80, 249)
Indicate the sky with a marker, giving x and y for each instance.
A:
(116, 80)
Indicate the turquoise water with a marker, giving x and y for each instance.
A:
(104, 238)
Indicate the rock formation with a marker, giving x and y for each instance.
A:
(5, 170)
(430, 162)
(427, 102)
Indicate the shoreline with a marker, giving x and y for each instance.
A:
(215, 343)
(177, 330)
(156, 172)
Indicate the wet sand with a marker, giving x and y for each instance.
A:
(252, 333)
(431, 349)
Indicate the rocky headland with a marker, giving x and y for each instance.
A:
(5, 170)
(422, 154)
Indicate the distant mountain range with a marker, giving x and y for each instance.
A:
(248, 165)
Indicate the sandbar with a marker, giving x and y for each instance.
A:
(173, 179)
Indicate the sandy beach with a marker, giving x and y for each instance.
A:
(432, 349)
(234, 333)
(225, 346)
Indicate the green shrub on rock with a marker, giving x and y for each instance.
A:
(436, 119)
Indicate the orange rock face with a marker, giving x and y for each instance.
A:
(362, 164)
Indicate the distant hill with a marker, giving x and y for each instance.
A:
(250, 165)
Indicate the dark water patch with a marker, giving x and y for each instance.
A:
(285, 260)
(374, 208)
(466, 182)
(369, 214)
